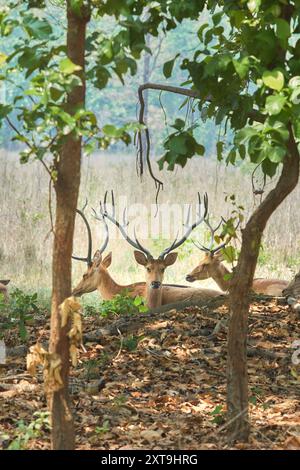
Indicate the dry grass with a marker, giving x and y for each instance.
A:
(25, 243)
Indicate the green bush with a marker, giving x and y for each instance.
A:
(121, 304)
(19, 311)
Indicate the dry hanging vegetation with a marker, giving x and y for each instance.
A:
(157, 381)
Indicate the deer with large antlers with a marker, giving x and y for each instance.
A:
(211, 266)
(156, 293)
(97, 276)
(3, 289)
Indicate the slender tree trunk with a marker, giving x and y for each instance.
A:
(67, 188)
(237, 380)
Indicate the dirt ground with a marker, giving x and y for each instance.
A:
(159, 382)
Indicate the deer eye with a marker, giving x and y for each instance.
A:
(162, 270)
(85, 276)
(149, 270)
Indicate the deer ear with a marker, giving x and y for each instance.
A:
(97, 259)
(170, 259)
(5, 282)
(140, 258)
(107, 260)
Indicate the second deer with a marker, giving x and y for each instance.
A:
(211, 266)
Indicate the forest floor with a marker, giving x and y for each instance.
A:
(159, 382)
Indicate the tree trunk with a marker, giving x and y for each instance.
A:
(237, 380)
(67, 188)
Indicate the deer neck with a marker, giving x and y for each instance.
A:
(218, 272)
(153, 297)
(108, 288)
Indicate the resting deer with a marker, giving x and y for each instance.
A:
(3, 289)
(155, 292)
(211, 266)
(97, 276)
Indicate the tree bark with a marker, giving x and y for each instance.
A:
(67, 189)
(237, 380)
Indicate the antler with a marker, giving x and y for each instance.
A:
(199, 220)
(88, 259)
(104, 213)
(212, 230)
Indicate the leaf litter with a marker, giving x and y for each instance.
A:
(159, 382)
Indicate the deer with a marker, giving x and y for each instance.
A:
(155, 292)
(97, 276)
(3, 289)
(211, 266)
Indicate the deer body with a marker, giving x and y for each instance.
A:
(211, 266)
(3, 289)
(98, 278)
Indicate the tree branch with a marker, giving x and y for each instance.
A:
(253, 115)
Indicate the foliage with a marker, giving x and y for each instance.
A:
(104, 428)
(39, 115)
(246, 73)
(123, 304)
(218, 415)
(19, 311)
(24, 432)
(131, 342)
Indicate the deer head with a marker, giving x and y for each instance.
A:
(94, 276)
(206, 267)
(155, 267)
(210, 264)
(96, 267)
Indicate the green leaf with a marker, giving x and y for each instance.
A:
(275, 104)
(295, 98)
(199, 149)
(241, 67)
(217, 17)
(67, 67)
(178, 124)
(277, 154)
(112, 131)
(4, 110)
(229, 254)
(243, 136)
(269, 168)
(102, 77)
(37, 28)
(3, 58)
(273, 79)
(168, 66)
(177, 144)
(296, 127)
(282, 29)
(201, 30)
(294, 82)
(220, 146)
(254, 5)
